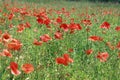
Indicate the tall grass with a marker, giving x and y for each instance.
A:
(84, 67)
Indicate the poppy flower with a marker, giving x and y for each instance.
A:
(59, 20)
(40, 20)
(58, 35)
(118, 45)
(27, 25)
(86, 22)
(27, 68)
(103, 56)
(65, 60)
(79, 27)
(47, 21)
(64, 27)
(74, 26)
(20, 28)
(105, 25)
(61, 60)
(95, 38)
(14, 68)
(117, 28)
(6, 37)
(14, 45)
(37, 43)
(6, 53)
(10, 16)
(89, 51)
(45, 38)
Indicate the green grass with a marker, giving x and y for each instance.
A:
(84, 67)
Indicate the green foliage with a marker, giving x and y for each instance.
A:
(84, 67)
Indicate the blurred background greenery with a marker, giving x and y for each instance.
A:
(111, 1)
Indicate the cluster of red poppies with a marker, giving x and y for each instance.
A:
(41, 17)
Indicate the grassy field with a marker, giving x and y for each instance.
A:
(60, 40)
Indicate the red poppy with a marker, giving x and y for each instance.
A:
(6, 37)
(27, 68)
(105, 25)
(74, 26)
(6, 53)
(118, 45)
(61, 60)
(89, 51)
(103, 56)
(95, 38)
(117, 28)
(58, 35)
(59, 20)
(10, 16)
(14, 45)
(27, 25)
(45, 38)
(64, 27)
(119, 55)
(38, 43)
(86, 22)
(14, 68)
(65, 60)
(20, 28)
(47, 21)
(40, 20)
